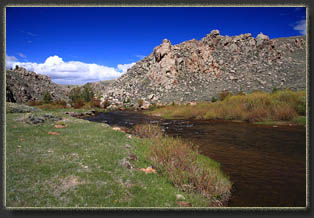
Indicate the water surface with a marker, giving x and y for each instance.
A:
(266, 164)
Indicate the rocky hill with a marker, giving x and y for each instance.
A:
(198, 70)
(23, 86)
(100, 87)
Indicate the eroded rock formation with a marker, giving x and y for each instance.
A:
(23, 86)
(198, 70)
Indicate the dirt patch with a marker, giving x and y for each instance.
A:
(67, 184)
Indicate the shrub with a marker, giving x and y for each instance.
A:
(140, 102)
(35, 103)
(186, 169)
(256, 106)
(153, 106)
(106, 103)
(50, 106)
(214, 99)
(75, 95)
(241, 93)
(224, 94)
(78, 94)
(210, 115)
(234, 112)
(257, 114)
(47, 98)
(79, 103)
(300, 106)
(87, 93)
(284, 112)
(60, 102)
(126, 100)
(148, 131)
(95, 102)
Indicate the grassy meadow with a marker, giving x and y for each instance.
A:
(89, 164)
(258, 106)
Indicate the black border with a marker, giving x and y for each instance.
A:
(152, 212)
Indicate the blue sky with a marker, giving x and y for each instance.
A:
(77, 45)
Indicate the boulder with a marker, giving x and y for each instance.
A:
(261, 38)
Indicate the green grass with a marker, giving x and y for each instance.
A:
(300, 120)
(285, 105)
(82, 167)
(182, 164)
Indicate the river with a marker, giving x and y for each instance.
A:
(265, 163)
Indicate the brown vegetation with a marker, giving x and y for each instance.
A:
(184, 166)
(282, 105)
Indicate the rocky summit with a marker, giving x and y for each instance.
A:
(199, 70)
(23, 86)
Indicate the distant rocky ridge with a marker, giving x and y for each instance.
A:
(100, 87)
(23, 86)
(190, 71)
(199, 70)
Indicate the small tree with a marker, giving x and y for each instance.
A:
(47, 98)
(87, 93)
(75, 95)
(106, 103)
(79, 103)
(224, 94)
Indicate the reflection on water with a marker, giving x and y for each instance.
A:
(266, 165)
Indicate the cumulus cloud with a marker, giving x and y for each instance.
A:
(71, 72)
(125, 67)
(301, 27)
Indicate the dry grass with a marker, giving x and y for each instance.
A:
(148, 131)
(283, 105)
(185, 167)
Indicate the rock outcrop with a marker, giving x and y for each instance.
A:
(199, 70)
(100, 87)
(23, 86)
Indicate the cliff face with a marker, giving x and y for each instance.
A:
(23, 86)
(198, 70)
(190, 71)
(100, 87)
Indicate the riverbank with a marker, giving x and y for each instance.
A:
(55, 160)
(285, 107)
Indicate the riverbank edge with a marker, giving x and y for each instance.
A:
(22, 139)
(299, 121)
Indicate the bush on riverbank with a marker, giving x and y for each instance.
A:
(184, 166)
(283, 105)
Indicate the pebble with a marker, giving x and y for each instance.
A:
(180, 197)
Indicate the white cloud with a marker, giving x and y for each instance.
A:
(10, 58)
(301, 27)
(71, 72)
(125, 67)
